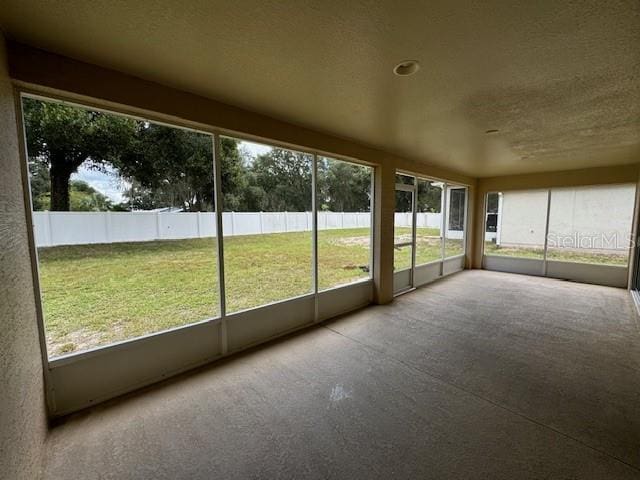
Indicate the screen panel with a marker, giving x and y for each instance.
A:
(124, 225)
(267, 223)
(591, 224)
(455, 221)
(516, 223)
(403, 230)
(429, 221)
(344, 222)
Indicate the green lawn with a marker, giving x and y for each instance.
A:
(97, 294)
(560, 254)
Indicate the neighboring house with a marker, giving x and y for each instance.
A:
(584, 217)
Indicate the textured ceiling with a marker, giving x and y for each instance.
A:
(560, 80)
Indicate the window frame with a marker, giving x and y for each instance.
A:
(316, 264)
(465, 222)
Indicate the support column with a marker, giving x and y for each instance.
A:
(23, 424)
(478, 225)
(384, 201)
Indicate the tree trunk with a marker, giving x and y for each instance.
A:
(60, 190)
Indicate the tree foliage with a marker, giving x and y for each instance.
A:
(343, 187)
(285, 178)
(168, 167)
(82, 198)
(63, 137)
(172, 167)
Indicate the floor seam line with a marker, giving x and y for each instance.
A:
(487, 400)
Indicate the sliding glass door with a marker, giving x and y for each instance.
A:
(429, 230)
(404, 234)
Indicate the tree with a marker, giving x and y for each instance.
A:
(82, 198)
(168, 167)
(343, 187)
(63, 137)
(236, 191)
(429, 196)
(173, 167)
(85, 198)
(285, 178)
(40, 185)
(165, 166)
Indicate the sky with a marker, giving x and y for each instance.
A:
(108, 182)
(112, 186)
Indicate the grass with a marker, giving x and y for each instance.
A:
(560, 254)
(97, 294)
(428, 247)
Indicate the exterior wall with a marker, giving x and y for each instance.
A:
(602, 217)
(595, 217)
(22, 405)
(523, 218)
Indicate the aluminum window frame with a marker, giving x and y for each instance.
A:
(49, 363)
(575, 271)
(464, 224)
(413, 188)
(90, 352)
(315, 219)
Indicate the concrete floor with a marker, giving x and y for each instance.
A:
(480, 375)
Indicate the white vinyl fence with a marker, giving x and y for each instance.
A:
(79, 228)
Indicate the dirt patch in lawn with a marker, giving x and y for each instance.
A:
(352, 241)
(81, 339)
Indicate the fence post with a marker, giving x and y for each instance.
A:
(158, 229)
(233, 223)
(198, 225)
(261, 222)
(286, 224)
(107, 226)
(49, 227)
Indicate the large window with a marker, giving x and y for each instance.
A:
(344, 222)
(124, 224)
(591, 224)
(516, 223)
(267, 223)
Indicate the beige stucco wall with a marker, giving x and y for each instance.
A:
(592, 217)
(523, 219)
(22, 404)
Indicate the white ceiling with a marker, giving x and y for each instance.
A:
(560, 80)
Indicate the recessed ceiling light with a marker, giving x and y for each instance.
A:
(406, 68)
(492, 130)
